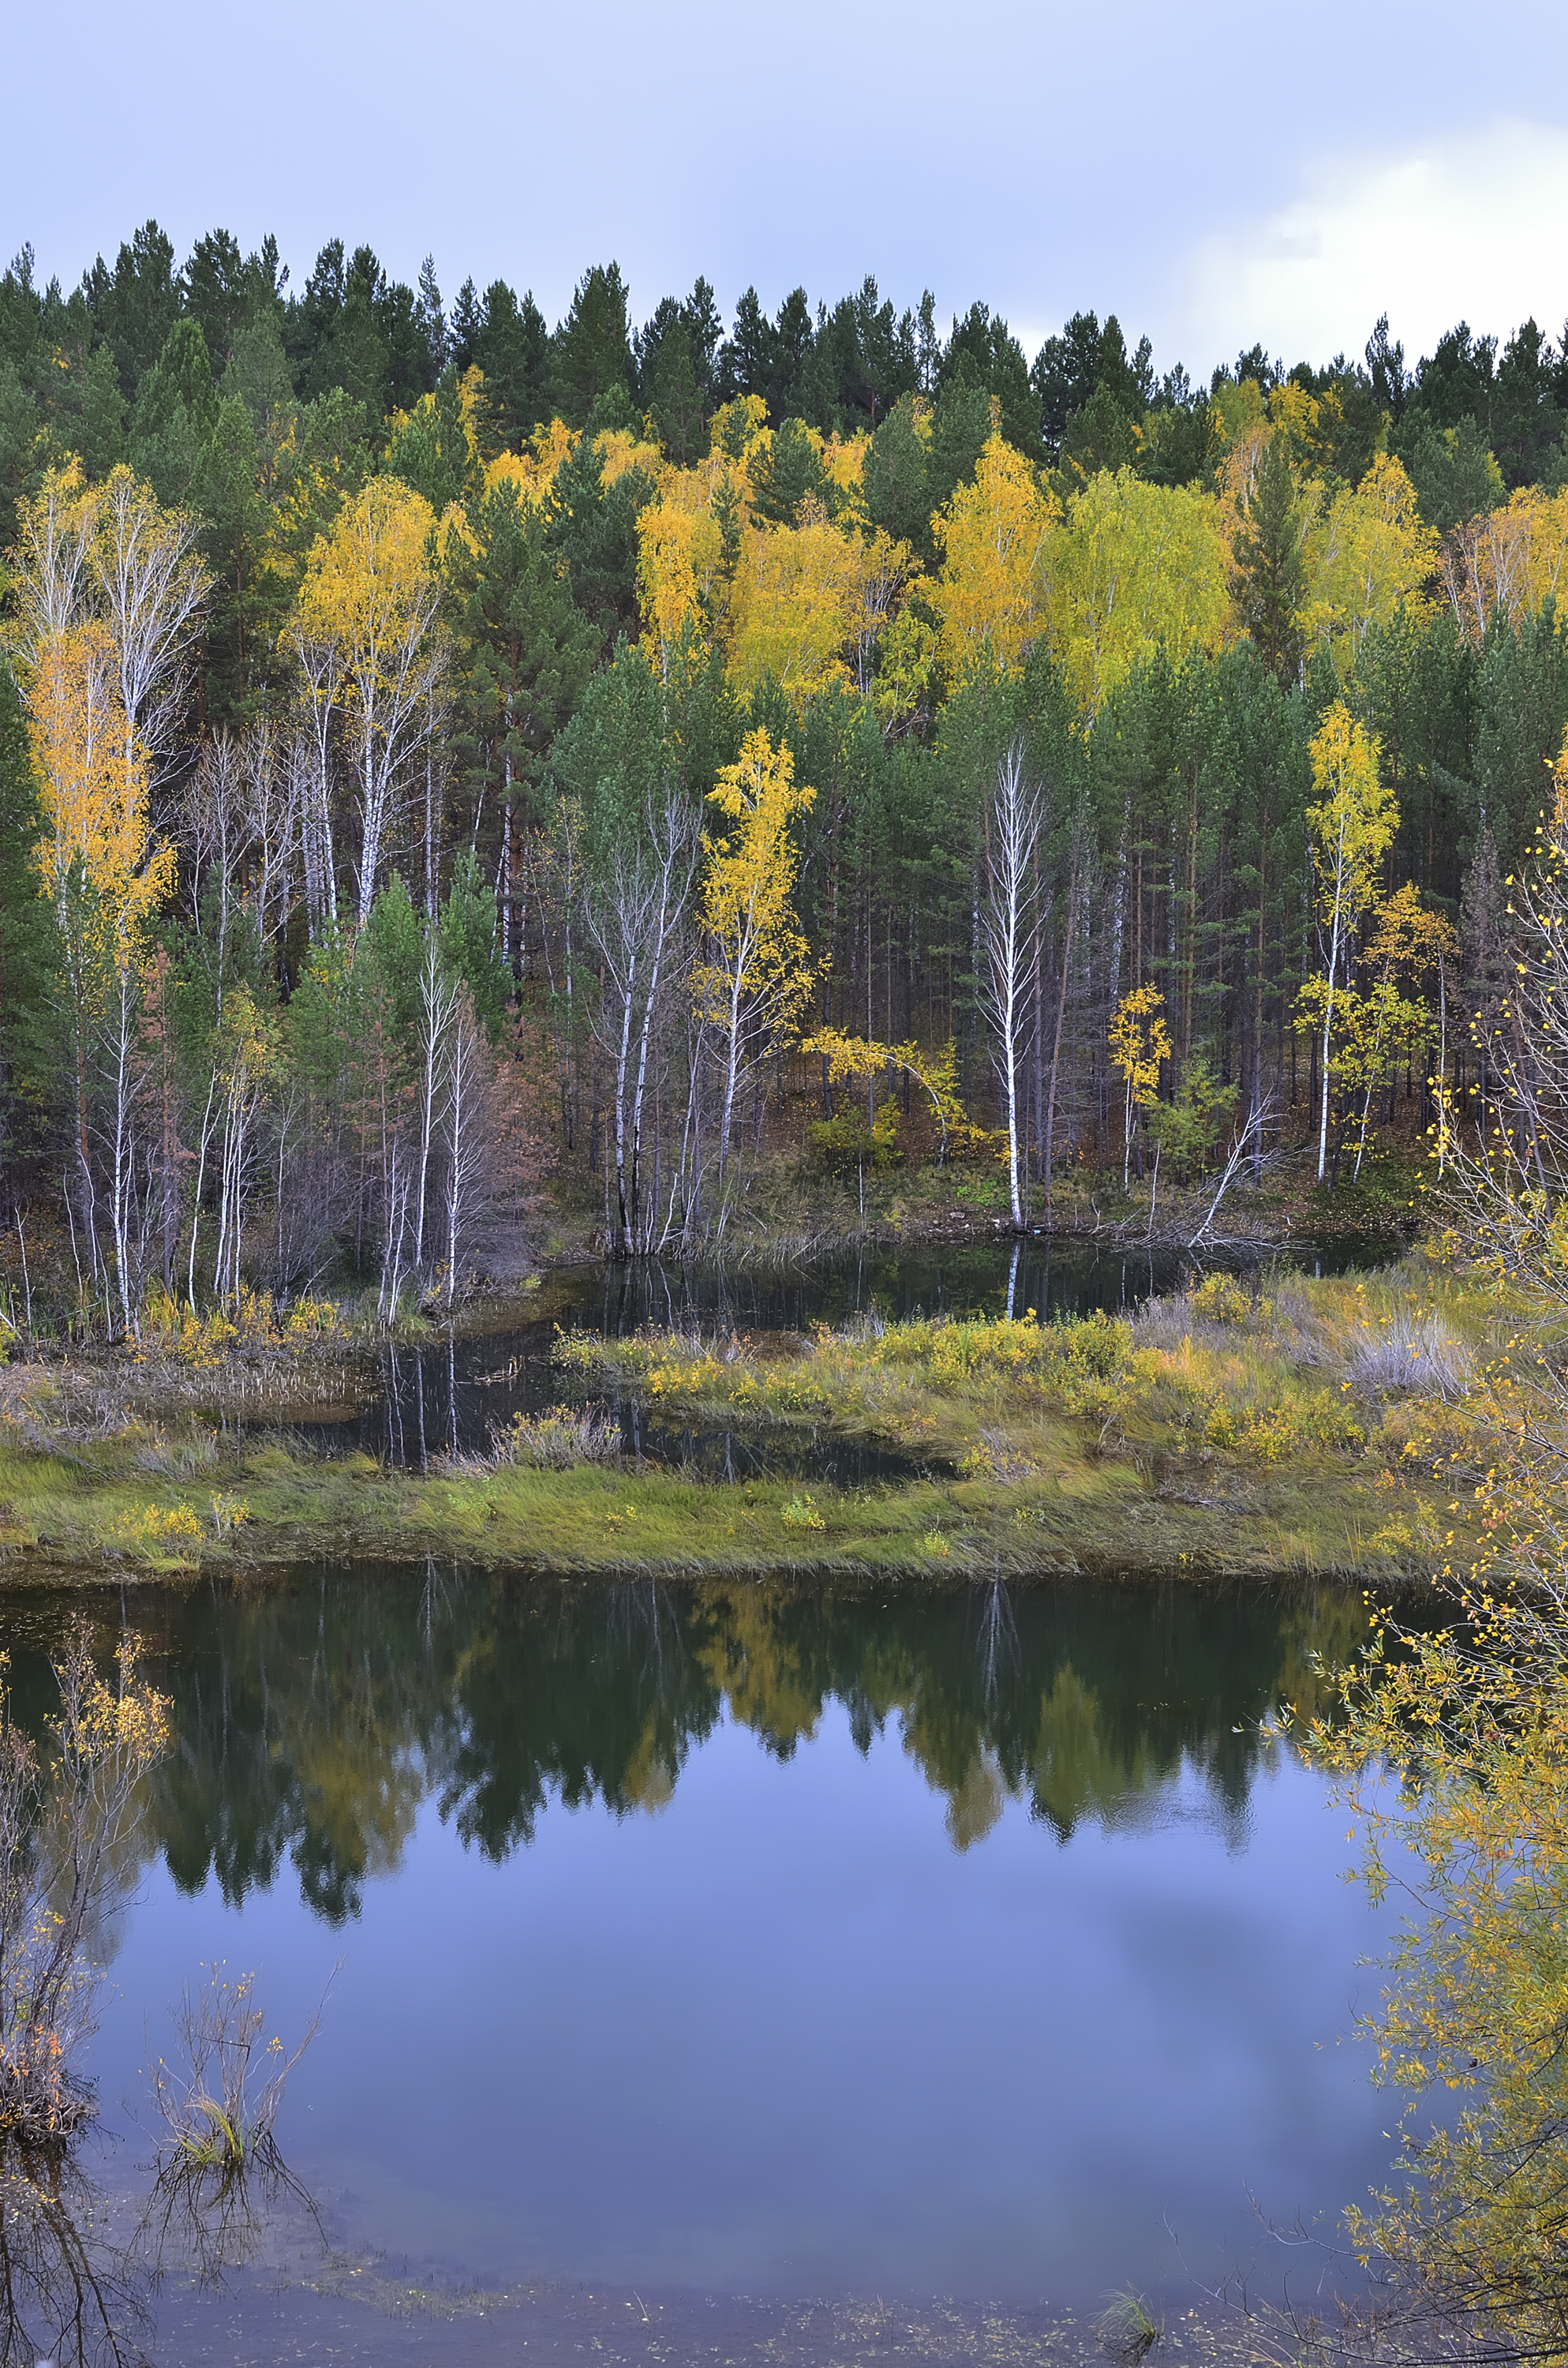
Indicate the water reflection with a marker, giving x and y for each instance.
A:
(313, 1720)
(81, 2268)
(449, 1397)
(207, 2220)
(67, 2293)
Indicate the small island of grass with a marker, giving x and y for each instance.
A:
(1286, 1426)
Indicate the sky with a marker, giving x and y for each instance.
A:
(1214, 177)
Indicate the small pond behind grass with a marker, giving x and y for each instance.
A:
(454, 1394)
(752, 1941)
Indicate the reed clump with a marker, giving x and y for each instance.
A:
(557, 1439)
(218, 2105)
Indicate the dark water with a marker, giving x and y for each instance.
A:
(454, 1395)
(729, 1940)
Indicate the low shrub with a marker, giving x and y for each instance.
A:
(1221, 1299)
(560, 1438)
(251, 1323)
(147, 1526)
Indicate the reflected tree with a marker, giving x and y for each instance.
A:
(314, 1721)
(66, 2295)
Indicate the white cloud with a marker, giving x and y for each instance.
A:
(1473, 227)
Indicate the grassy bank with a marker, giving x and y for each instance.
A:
(1290, 1429)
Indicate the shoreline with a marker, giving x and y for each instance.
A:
(1206, 1437)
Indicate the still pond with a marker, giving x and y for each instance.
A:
(971, 1941)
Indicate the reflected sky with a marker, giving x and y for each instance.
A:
(779, 1944)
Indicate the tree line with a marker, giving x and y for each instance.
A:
(436, 748)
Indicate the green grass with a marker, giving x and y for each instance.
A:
(1295, 1430)
(1087, 1515)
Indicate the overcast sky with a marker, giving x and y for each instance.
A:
(1212, 174)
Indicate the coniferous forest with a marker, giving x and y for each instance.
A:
(441, 752)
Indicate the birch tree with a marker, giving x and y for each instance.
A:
(758, 975)
(364, 635)
(1352, 827)
(1009, 923)
(114, 556)
(639, 919)
(246, 1062)
(467, 1146)
(50, 565)
(1140, 1044)
(151, 583)
(438, 996)
(104, 873)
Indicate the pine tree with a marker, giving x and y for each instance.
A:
(1268, 555)
(432, 319)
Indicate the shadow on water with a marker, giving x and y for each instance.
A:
(450, 1396)
(83, 2263)
(68, 2293)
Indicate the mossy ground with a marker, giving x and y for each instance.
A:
(1298, 1430)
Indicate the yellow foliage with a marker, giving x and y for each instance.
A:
(736, 427)
(1508, 560)
(365, 631)
(534, 472)
(94, 774)
(250, 1322)
(364, 581)
(680, 550)
(907, 663)
(619, 450)
(750, 876)
(471, 392)
(682, 564)
(992, 535)
(843, 458)
(863, 1057)
(803, 604)
(1140, 1041)
(1131, 568)
(797, 604)
(759, 973)
(1242, 410)
(1367, 555)
(1355, 816)
(151, 1526)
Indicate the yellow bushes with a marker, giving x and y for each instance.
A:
(252, 1322)
(1318, 1423)
(149, 1527)
(1270, 1382)
(1220, 1298)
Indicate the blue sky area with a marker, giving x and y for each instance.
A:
(1213, 175)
